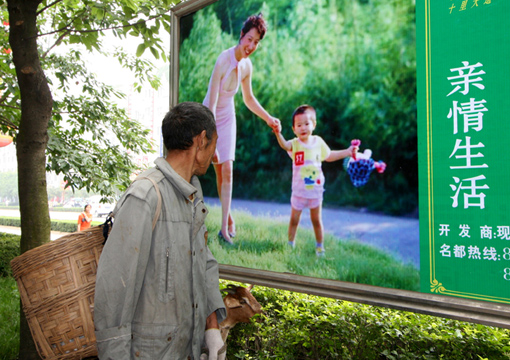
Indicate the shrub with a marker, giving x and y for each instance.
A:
(9, 249)
(56, 225)
(10, 221)
(298, 326)
(64, 226)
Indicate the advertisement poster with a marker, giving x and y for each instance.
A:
(463, 98)
(355, 63)
(424, 84)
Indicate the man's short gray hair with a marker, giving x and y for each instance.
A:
(185, 121)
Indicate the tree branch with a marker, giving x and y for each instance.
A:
(47, 6)
(6, 122)
(100, 29)
(10, 106)
(4, 97)
(65, 28)
(59, 40)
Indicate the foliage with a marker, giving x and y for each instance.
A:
(298, 326)
(261, 243)
(9, 249)
(9, 319)
(92, 152)
(354, 61)
(91, 138)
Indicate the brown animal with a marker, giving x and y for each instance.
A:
(241, 306)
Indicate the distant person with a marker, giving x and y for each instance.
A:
(157, 286)
(233, 67)
(307, 152)
(85, 218)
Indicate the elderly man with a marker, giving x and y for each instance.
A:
(157, 287)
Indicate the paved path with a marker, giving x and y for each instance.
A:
(399, 236)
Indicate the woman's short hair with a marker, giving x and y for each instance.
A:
(257, 22)
(185, 121)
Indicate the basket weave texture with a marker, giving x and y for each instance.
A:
(56, 282)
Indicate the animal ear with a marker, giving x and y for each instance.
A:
(249, 303)
(231, 302)
(250, 287)
(230, 289)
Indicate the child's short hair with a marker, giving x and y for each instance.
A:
(301, 110)
(257, 22)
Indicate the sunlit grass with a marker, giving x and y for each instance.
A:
(261, 243)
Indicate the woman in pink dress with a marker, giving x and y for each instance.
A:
(233, 68)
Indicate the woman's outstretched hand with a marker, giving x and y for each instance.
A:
(272, 122)
(277, 128)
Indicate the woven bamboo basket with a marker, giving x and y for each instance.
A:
(56, 282)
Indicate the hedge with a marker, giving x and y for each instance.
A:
(299, 326)
(56, 225)
(9, 249)
(77, 209)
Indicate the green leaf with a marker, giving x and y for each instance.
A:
(74, 39)
(154, 52)
(140, 49)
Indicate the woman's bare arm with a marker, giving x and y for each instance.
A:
(284, 144)
(249, 98)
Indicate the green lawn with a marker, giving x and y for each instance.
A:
(261, 243)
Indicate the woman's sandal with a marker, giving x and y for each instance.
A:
(232, 234)
(221, 237)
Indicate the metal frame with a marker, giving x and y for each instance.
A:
(483, 312)
(178, 11)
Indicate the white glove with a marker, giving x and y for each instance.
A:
(214, 342)
(220, 357)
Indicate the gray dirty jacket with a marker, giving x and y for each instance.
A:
(155, 289)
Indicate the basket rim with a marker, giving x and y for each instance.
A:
(72, 243)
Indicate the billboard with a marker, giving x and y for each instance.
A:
(384, 73)
(465, 232)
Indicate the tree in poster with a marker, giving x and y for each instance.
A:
(59, 128)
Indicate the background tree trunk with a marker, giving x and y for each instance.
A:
(36, 107)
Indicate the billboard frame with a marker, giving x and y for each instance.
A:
(475, 311)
